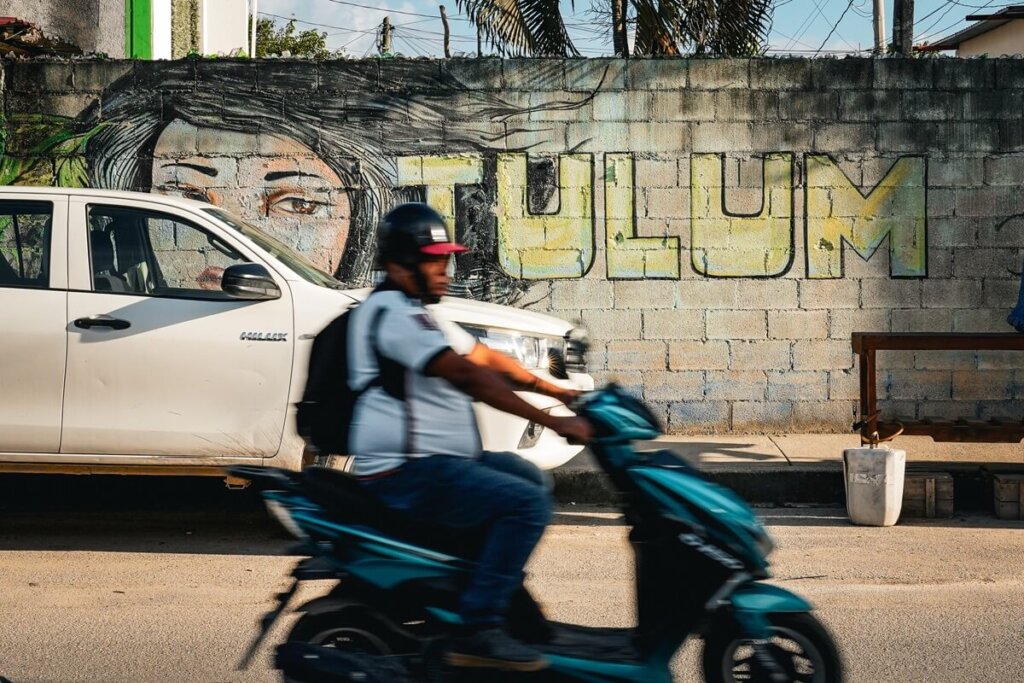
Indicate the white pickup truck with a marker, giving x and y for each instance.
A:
(158, 335)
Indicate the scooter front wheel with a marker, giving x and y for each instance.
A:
(799, 644)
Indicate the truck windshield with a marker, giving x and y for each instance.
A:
(294, 261)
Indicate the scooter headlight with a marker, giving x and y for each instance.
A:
(284, 517)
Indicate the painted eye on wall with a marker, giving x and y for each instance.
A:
(186, 191)
(298, 205)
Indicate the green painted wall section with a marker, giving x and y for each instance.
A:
(139, 29)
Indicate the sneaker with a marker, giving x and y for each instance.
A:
(492, 648)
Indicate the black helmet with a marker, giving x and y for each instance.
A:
(411, 231)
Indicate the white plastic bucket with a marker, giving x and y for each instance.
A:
(874, 485)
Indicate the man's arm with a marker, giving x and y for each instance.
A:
(490, 387)
(520, 377)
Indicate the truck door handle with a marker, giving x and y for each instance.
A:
(102, 321)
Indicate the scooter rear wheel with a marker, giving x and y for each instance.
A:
(800, 644)
(352, 630)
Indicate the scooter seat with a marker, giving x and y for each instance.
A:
(344, 499)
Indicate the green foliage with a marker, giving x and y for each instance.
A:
(272, 40)
(51, 152)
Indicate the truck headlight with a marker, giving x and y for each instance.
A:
(531, 352)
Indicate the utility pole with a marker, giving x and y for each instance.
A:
(620, 43)
(479, 41)
(879, 28)
(384, 46)
(252, 29)
(903, 27)
(447, 34)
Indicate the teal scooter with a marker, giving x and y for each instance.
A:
(700, 568)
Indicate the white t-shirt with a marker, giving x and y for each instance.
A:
(434, 418)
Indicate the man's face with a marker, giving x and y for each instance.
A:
(276, 183)
(435, 271)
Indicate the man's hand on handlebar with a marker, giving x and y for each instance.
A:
(576, 430)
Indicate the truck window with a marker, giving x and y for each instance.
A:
(134, 251)
(25, 228)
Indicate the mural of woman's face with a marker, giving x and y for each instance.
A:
(274, 182)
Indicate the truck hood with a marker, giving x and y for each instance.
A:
(480, 314)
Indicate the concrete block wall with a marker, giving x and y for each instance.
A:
(721, 226)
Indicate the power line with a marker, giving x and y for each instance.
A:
(388, 10)
(835, 26)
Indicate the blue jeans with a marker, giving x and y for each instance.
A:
(500, 491)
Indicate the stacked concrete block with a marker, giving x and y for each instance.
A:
(721, 226)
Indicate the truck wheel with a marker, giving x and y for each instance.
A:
(799, 643)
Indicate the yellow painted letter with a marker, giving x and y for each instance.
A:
(552, 246)
(629, 256)
(732, 245)
(838, 213)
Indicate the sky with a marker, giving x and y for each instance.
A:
(801, 27)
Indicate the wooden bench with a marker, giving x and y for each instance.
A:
(866, 344)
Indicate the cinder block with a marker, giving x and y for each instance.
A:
(674, 386)
(707, 294)
(1002, 170)
(881, 293)
(1009, 75)
(981, 320)
(761, 415)
(759, 355)
(699, 417)
(472, 73)
(658, 173)
(746, 105)
(287, 76)
(798, 386)
(645, 294)
(214, 73)
(946, 360)
(823, 416)
(1008, 495)
(697, 105)
(814, 105)
(532, 74)
(932, 105)
(870, 105)
(919, 385)
(797, 324)
(996, 202)
(97, 76)
(40, 76)
(927, 494)
(844, 137)
(843, 385)
(613, 324)
(160, 75)
(830, 294)
(590, 75)
(698, 355)
(581, 294)
(656, 74)
(352, 75)
(851, 73)
(767, 294)
(974, 385)
(673, 324)
(929, 319)
(903, 74)
(408, 75)
(990, 104)
(956, 172)
(978, 263)
(734, 385)
(822, 355)
(637, 355)
(965, 74)
(718, 74)
(843, 323)
(737, 325)
(667, 105)
(775, 74)
(951, 293)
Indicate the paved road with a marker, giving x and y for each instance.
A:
(160, 587)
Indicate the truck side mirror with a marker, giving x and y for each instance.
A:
(249, 281)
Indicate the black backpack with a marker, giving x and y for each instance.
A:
(324, 414)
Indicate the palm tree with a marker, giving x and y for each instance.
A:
(713, 28)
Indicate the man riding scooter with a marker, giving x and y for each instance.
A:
(415, 435)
